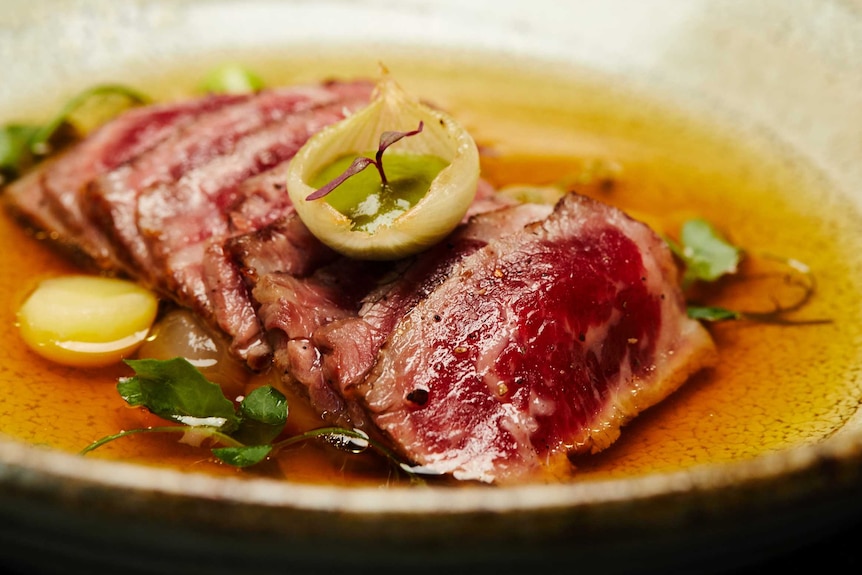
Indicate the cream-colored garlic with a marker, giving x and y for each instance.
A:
(431, 218)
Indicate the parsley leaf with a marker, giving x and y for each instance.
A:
(244, 456)
(706, 254)
(263, 414)
(707, 257)
(175, 390)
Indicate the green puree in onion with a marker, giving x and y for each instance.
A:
(370, 203)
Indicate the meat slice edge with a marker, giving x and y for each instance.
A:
(49, 198)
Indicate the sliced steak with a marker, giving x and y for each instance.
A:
(180, 221)
(156, 192)
(540, 344)
(50, 197)
(329, 321)
(349, 347)
(307, 295)
(285, 246)
(293, 308)
(188, 153)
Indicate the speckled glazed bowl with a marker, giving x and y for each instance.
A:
(792, 68)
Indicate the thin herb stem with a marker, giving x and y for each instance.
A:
(182, 429)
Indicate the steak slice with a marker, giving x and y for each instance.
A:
(292, 309)
(229, 270)
(328, 315)
(214, 145)
(50, 197)
(540, 344)
(179, 222)
(349, 347)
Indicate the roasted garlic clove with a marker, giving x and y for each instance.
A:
(86, 321)
(431, 174)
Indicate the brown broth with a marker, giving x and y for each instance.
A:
(775, 386)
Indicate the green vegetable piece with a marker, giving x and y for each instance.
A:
(706, 254)
(15, 154)
(231, 79)
(244, 456)
(174, 389)
(40, 143)
(23, 145)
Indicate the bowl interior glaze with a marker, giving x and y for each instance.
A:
(793, 68)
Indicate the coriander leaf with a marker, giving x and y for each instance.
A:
(707, 256)
(174, 389)
(244, 456)
(130, 390)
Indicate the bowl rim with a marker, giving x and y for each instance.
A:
(780, 478)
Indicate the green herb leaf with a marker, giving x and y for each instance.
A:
(707, 255)
(175, 390)
(245, 456)
(266, 405)
(706, 313)
(263, 415)
(231, 79)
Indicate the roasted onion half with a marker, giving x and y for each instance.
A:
(399, 226)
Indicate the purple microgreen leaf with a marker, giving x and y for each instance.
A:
(360, 163)
(357, 166)
(390, 137)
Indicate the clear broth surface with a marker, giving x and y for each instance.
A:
(775, 387)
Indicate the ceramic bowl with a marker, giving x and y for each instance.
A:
(793, 67)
